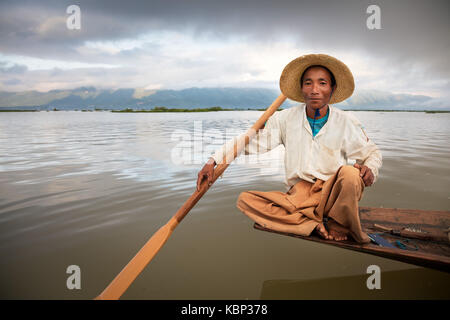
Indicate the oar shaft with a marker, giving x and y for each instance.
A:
(130, 272)
(237, 149)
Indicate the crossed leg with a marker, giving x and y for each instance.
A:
(339, 204)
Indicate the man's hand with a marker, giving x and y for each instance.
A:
(366, 174)
(206, 172)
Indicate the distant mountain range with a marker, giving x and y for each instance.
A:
(92, 98)
(89, 98)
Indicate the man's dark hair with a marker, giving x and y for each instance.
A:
(333, 80)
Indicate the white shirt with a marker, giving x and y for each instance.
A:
(307, 157)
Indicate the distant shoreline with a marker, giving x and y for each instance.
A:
(212, 109)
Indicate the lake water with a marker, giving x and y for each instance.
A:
(90, 188)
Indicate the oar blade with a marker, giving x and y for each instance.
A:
(128, 274)
(151, 248)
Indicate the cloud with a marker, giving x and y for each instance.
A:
(12, 82)
(338, 24)
(177, 44)
(8, 68)
(388, 100)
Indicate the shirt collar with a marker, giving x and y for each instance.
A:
(308, 126)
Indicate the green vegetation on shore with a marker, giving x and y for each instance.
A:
(19, 110)
(164, 109)
(436, 111)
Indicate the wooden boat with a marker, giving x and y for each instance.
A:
(420, 250)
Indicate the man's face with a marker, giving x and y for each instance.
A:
(316, 87)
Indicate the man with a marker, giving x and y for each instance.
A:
(319, 141)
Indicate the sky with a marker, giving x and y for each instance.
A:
(206, 43)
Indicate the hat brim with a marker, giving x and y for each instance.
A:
(290, 77)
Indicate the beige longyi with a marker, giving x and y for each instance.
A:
(305, 205)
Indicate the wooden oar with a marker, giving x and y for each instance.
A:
(129, 273)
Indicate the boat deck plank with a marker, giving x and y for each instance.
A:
(430, 254)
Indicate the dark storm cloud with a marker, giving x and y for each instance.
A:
(410, 29)
(414, 34)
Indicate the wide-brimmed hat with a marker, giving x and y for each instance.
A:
(290, 77)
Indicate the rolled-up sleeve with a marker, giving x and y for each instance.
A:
(359, 147)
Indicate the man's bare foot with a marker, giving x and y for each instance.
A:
(337, 232)
(322, 232)
(338, 236)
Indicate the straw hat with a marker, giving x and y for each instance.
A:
(290, 77)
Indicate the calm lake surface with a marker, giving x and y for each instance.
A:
(90, 188)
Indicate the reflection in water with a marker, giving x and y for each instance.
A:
(404, 284)
(90, 188)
